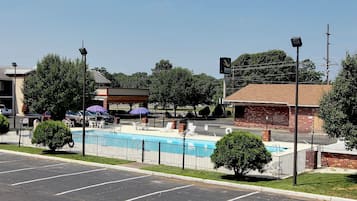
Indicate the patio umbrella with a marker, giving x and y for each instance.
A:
(96, 108)
(140, 111)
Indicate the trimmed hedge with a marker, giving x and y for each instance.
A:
(53, 134)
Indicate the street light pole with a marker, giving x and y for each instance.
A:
(14, 94)
(83, 52)
(296, 42)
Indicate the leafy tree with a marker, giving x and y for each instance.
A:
(139, 80)
(338, 108)
(162, 65)
(280, 70)
(181, 80)
(308, 73)
(4, 124)
(242, 152)
(53, 134)
(202, 90)
(56, 86)
(121, 80)
(160, 88)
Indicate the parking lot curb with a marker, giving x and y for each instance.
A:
(213, 182)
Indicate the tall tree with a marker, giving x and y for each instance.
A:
(139, 80)
(338, 108)
(202, 90)
(162, 65)
(181, 79)
(269, 67)
(56, 86)
(308, 72)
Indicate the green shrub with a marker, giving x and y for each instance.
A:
(190, 115)
(205, 112)
(218, 111)
(4, 124)
(53, 134)
(242, 152)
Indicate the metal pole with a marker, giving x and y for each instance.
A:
(83, 52)
(14, 95)
(296, 114)
(83, 106)
(183, 150)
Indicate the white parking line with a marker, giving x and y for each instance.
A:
(9, 161)
(102, 184)
(57, 176)
(158, 192)
(31, 168)
(243, 196)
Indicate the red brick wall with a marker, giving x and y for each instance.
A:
(255, 116)
(278, 118)
(305, 119)
(338, 160)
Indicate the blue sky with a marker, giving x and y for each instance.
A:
(131, 36)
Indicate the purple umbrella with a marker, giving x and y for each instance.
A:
(96, 108)
(140, 111)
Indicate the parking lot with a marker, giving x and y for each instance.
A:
(33, 179)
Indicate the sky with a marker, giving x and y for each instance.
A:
(128, 36)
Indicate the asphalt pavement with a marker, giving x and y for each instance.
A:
(34, 178)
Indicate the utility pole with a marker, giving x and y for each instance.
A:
(327, 54)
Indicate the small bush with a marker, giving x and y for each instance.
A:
(218, 111)
(53, 134)
(205, 112)
(242, 152)
(190, 115)
(4, 124)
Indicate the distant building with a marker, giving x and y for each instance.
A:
(104, 93)
(273, 106)
(7, 76)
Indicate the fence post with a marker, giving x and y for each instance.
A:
(142, 151)
(159, 153)
(183, 151)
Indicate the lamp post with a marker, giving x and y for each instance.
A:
(14, 94)
(83, 52)
(296, 42)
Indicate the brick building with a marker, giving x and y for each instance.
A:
(272, 106)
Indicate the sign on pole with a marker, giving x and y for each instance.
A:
(225, 65)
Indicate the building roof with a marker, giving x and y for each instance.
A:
(7, 72)
(309, 95)
(99, 78)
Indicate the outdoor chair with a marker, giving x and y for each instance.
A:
(101, 124)
(168, 127)
(92, 124)
(136, 126)
(190, 129)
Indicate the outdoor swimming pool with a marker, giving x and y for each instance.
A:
(200, 148)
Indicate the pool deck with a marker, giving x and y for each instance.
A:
(162, 132)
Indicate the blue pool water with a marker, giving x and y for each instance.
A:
(200, 148)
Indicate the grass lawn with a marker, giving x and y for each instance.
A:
(63, 154)
(340, 185)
